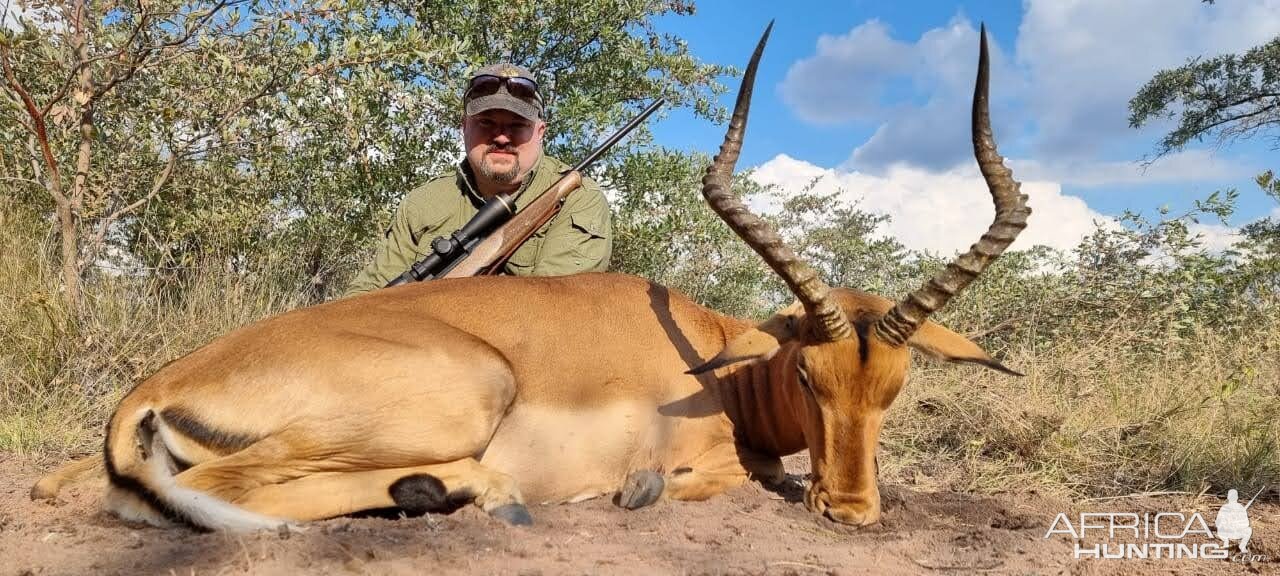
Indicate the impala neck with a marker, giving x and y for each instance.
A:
(766, 404)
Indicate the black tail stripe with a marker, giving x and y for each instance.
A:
(189, 425)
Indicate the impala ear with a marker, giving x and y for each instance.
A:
(759, 343)
(939, 342)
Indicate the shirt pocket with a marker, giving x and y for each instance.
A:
(438, 226)
(525, 258)
(594, 238)
(591, 226)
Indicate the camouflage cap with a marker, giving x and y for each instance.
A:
(529, 108)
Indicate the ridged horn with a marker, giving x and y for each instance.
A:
(901, 322)
(830, 323)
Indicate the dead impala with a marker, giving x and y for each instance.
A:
(506, 390)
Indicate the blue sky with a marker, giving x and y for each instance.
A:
(874, 96)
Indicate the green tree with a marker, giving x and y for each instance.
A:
(1225, 98)
(840, 241)
(1261, 243)
(665, 232)
(123, 106)
(598, 62)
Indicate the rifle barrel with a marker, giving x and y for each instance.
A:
(595, 154)
(1255, 497)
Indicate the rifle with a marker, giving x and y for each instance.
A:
(481, 247)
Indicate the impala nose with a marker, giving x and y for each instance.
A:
(846, 509)
(852, 516)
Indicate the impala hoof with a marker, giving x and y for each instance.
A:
(642, 488)
(514, 514)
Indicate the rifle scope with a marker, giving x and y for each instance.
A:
(447, 252)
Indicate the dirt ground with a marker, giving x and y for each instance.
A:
(747, 531)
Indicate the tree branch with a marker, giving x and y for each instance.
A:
(21, 179)
(84, 88)
(1238, 117)
(144, 53)
(75, 70)
(33, 155)
(161, 180)
(41, 131)
(1008, 323)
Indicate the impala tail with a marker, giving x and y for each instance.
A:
(141, 468)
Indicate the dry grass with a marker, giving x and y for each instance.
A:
(62, 373)
(1092, 418)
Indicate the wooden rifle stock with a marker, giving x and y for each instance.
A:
(490, 255)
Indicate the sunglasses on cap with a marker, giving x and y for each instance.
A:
(487, 84)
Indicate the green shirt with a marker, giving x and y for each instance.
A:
(578, 239)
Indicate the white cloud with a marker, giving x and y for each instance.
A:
(945, 212)
(846, 79)
(1215, 238)
(1063, 94)
(940, 211)
(850, 76)
(11, 10)
(935, 136)
(1184, 166)
(1086, 59)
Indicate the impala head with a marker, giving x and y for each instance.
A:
(844, 351)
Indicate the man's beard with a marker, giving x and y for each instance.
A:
(504, 176)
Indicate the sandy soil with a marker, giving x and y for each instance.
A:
(747, 531)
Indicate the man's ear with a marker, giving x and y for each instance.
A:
(540, 129)
(939, 342)
(759, 343)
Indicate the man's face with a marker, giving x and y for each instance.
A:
(502, 146)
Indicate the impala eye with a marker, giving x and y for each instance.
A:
(804, 376)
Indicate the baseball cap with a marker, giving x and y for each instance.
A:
(503, 86)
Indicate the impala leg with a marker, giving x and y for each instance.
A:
(270, 460)
(47, 488)
(418, 489)
(725, 466)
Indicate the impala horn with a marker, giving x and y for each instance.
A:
(830, 323)
(1011, 217)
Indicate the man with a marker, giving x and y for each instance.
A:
(502, 129)
(1233, 522)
